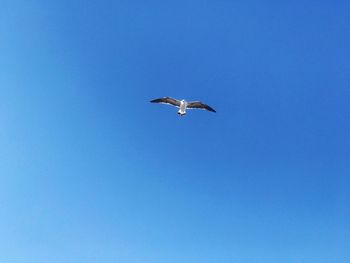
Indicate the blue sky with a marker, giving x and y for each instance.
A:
(90, 171)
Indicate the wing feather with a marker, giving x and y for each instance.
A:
(167, 100)
(199, 105)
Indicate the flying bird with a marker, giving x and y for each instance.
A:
(183, 104)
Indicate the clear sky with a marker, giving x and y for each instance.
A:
(90, 171)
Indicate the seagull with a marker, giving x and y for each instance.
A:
(183, 104)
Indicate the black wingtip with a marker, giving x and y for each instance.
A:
(210, 109)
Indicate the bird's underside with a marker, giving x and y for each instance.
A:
(183, 105)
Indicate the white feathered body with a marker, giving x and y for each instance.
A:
(183, 106)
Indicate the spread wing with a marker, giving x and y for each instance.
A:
(199, 105)
(167, 100)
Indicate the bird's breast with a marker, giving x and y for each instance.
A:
(183, 105)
